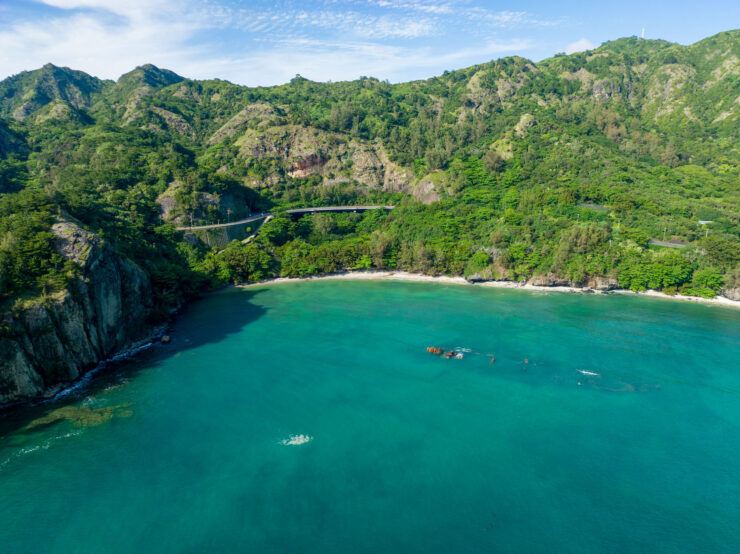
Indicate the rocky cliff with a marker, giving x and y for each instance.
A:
(48, 343)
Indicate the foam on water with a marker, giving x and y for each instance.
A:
(87, 377)
(587, 372)
(44, 445)
(415, 454)
(296, 440)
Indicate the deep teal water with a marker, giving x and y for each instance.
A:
(410, 452)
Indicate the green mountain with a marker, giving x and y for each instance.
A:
(146, 75)
(29, 91)
(570, 170)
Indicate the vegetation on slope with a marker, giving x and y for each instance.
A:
(560, 170)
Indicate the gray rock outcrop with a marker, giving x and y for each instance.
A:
(47, 343)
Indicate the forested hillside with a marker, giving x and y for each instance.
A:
(558, 171)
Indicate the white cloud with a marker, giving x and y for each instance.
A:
(404, 28)
(435, 8)
(145, 31)
(361, 25)
(329, 60)
(579, 46)
(500, 19)
(508, 19)
(107, 38)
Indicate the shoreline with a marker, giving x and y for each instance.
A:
(61, 390)
(150, 339)
(444, 279)
(131, 349)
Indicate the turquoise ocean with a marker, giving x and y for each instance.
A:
(309, 417)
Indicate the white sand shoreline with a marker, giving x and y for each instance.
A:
(420, 277)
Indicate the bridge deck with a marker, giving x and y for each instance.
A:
(297, 211)
(669, 243)
(337, 209)
(218, 225)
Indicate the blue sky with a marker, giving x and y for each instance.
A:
(266, 43)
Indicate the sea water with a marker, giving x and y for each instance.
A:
(309, 417)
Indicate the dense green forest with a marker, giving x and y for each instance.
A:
(563, 170)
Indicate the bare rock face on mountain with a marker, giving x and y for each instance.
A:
(252, 116)
(733, 293)
(426, 191)
(549, 280)
(306, 151)
(53, 342)
(602, 283)
(174, 122)
(58, 110)
(181, 207)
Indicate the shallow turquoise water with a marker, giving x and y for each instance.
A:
(409, 452)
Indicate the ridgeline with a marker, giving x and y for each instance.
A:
(578, 169)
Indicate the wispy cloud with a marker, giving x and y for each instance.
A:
(434, 8)
(265, 43)
(336, 60)
(350, 22)
(105, 46)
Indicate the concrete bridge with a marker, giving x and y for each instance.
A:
(336, 209)
(295, 212)
(669, 243)
(219, 225)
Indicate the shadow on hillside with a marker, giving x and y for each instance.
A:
(208, 320)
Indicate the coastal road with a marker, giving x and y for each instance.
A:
(668, 244)
(219, 225)
(321, 209)
(297, 211)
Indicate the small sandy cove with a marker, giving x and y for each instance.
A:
(419, 277)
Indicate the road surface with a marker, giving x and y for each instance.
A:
(298, 211)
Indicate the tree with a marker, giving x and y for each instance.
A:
(707, 278)
(493, 162)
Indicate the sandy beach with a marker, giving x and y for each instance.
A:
(419, 277)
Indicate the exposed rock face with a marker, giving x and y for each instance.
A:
(477, 94)
(602, 283)
(254, 115)
(549, 280)
(731, 293)
(103, 311)
(174, 122)
(664, 90)
(306, 151)
(496, 272)
(604, 90)
(525, 122)
(426, 192)
(205, 207)
(595, 282)
(57, 110)
(311, 165)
